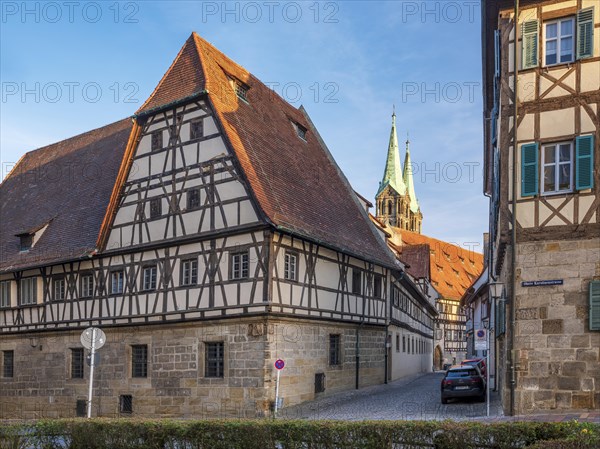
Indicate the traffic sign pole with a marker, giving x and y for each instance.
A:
(89, 404)
(487, 375)
(277, 392)
(279, 364)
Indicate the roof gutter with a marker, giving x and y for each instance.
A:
(170, 105)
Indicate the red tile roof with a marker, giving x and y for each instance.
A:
(453, 268)
(417, 258)
(67, 184)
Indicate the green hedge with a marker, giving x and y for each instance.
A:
(281, 434)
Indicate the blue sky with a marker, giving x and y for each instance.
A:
(67, 67)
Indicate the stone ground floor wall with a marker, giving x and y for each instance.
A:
(557, 356)
(176, 386)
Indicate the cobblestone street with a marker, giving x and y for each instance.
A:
(408, 399)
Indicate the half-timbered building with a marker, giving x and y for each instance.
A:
(208, 235)
(541, 61)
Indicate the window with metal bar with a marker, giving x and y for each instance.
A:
(139, 361)
(335, 353)
(8, 363)
(77, 363)
(214, 359)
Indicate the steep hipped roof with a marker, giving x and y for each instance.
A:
(67, 186)
(296, 182)
(453, 269)
(392, 175)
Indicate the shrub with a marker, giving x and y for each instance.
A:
(294, 434)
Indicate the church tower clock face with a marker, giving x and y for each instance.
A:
(396, 201)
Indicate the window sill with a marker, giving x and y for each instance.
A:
(558, 65)
(564, 194)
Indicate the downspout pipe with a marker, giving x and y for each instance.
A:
(358, 353)
(513, 256)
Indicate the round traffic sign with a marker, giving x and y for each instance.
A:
(86, 338)
(480, 333)
(279, 364)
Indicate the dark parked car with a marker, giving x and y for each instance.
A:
(463, 381)
(478, 362)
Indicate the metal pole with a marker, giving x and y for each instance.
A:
(89, 404)
(487, 373)
(277, 391)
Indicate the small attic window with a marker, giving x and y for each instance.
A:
(28, 239)
(26, 242)
(300, 130)
(241, 89)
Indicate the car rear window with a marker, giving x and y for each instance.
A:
(462, 373)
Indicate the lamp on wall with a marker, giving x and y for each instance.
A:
(496, 289)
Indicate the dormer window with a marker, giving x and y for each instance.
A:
(28, 239)
(300, 130)
(26, 242)
(241, 89)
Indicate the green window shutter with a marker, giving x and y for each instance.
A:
(529, 44)
(529, 169)
(595, 305)
(585, 33)
(584, 160)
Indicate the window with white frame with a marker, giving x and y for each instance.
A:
(59, 288)
(87, 285)
(557, 165)
(290, 268)
(239, 265)
(5, 294)
(149, 278)
(559, 42)
(189, 272)
(116, 282)
(28, 293)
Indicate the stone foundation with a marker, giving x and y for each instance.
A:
(175, 386)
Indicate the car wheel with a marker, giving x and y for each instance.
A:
(444, 400)
(481, 398)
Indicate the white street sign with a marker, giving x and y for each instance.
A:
(481, 340)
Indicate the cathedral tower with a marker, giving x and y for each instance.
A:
(396, 201)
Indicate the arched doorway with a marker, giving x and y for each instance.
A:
(437, 358)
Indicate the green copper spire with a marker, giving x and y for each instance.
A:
(392, 175)
(407, 177)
